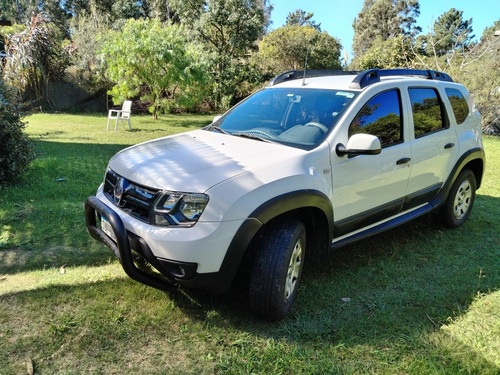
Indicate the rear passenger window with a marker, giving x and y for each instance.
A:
(380, 116)
(459, 105)
(428, 111)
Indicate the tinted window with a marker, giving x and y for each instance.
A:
(459, 105)
(427, 111)
(381, 116)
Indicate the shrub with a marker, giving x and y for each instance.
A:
(16, 150)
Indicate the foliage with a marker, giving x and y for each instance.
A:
(476, 65)
(449, 34)
(18, 11)
(156, 62)
(16, 151)
(301, 18)
(90, 30)
(287, 48)
(383, 19)
(228, 30)
(392, 53)
(36, 56)
(479, 70)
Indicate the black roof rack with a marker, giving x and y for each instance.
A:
(371, 76)
(299, 74)
(362, 79)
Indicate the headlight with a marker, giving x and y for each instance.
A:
(179, 209)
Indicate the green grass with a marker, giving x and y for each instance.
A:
(419, 299)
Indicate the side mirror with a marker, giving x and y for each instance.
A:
(360, 144)
(216, 118)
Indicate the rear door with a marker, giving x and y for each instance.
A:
(434, 144)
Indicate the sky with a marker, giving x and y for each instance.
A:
(336, 16)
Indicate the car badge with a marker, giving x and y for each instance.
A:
(118, 191)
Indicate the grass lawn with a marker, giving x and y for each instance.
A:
(419, 299)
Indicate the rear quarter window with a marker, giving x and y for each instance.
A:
(459, 105)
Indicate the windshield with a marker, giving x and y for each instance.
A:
(297, 117)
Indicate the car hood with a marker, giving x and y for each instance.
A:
(196, 160)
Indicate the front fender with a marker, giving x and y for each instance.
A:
(269, 210)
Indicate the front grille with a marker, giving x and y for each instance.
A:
(135, 199)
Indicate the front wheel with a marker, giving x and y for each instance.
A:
(460, 200)
(277, 268)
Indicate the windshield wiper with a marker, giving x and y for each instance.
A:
(252, 136)
(218, 128)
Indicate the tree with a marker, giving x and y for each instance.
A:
(287, 48)
(392, 53)
(90, 30)
(36, 56)
(16, 151)
(18, 11)
(154, 61)
(301, 18)
(229, 30)
(479, 70)
(450, 34)
(384, 19)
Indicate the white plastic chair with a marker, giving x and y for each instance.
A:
(121, 114)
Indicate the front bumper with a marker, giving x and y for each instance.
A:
(171, 271)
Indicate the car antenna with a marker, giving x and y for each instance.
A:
(305, 68)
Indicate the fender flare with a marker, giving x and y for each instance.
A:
(263, 214)
(475, 154)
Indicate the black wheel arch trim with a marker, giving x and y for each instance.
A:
(294, 200)
(470, 156)
(262, 215)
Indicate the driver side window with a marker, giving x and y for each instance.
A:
(381, 116)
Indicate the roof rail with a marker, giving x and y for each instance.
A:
(371, 76)
(299, 74)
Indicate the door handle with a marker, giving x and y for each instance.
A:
(403, 161)
(449, 145)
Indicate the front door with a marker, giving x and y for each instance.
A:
(370, 188)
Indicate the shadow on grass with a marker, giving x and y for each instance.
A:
(398, 294)
(42, 217)
(384, 297)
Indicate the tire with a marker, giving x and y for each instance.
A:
(277, 268)
(460, 200)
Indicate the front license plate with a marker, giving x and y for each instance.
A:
(107, 228)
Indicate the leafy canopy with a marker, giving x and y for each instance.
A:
(286, 48)
(384, 19)
(155, 61)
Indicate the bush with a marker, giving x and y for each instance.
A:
(16, 150)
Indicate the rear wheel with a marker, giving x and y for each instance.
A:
(277, 268)
(460, 200)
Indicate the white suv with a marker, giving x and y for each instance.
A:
(313, 161)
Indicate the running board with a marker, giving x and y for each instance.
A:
(377, 228)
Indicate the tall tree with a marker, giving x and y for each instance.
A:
(449, 34)
(229, 30)
(301, 18)
(288, 47)
(384, 19)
